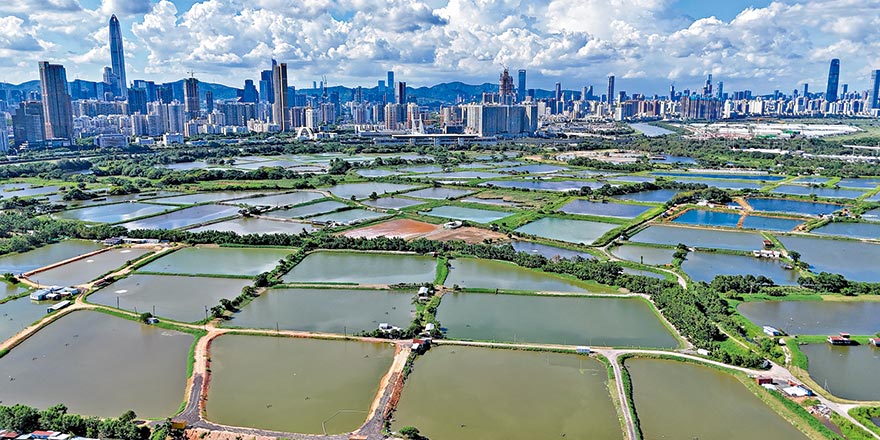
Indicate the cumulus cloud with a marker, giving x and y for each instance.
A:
(647, 42)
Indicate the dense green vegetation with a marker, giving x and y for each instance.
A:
(24, 419)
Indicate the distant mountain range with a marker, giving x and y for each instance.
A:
(439, 93)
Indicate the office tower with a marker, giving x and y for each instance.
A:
(610, 96)
(806, 90)
(391, 85)
(279, 108)
(557, 95)
(209, 100)
(117, 58)
(521, 85)
(707, 89)
(148, 86)
(845, 88)
(401, 93)
(672, 92)
(28, 123)
(111, 82)
(191, 98)
(266, 92)
(137, 101)
(4, 134)
(833, 80)
(720, 94)
(57, 110)
(249, 92)
(875, 89)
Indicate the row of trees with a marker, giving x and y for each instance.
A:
(25, 419)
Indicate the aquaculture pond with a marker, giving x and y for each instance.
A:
(572, 231)
(644, 273)
(550, 319)
(363, 190)
(857, 261)
(579, 206)
(815, 317)
(846, 372)
(327, 310)
(181, 298)
(652, 256)
(85, 358)
(362, 268)
(184, 217)
(250, 225)
(305, 385)
(832, 193)
(770, 223)
(89, 268)
(732, 176)
(547, 250)
(308, 210)
(26, 190)
(703, 238)
(294, 198)
(490, 201)
(348, 216)
(218, 261)
(485, 394)
(205, 197)
(377, 173)
(19, 313)
(17, 263)
(722, 183)
(463, 175)
(533, 169)
(702, 217)
(859, 183)
(469, 214)
(655, 196)
(668, 158)
(852, 230)
(491, 274)
(393, 203)
(544, 185)
(705, 266)
(439, 193)
(680, 400)
(793, 206)
(119, 212)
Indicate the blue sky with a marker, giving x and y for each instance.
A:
(647, 44)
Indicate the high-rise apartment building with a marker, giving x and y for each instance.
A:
(875, 89)
(400, 94)
(279, 108)
(57, 109)
(28, 123)
(117, 58)
(833, 80)
(192, 105)
(610, 96)
(4, 134)
(521, 85)
(391, 85)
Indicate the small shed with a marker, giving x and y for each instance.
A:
(582, 349)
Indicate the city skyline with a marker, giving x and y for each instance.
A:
(663, 44)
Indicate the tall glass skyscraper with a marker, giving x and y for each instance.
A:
(57, 108)
(833, 81)
(875, 89)
(279, 108)
(117, 57)
(521, 86)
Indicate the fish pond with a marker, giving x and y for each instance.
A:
(119, 212)
(362, 268)
(857, 261)
(309, 210)
(250, 225)
(852, 230)
(89, 268)
(548, 251)
(486, 394)
(85, 358)
(549, 319)
(205, 197)
(572, 231)
(19, 313)
(363, 190)
(183, 218)
(620, 210)
(652, 256)
(348, 216)
(815, 317)
(218, 261)
(702, 238)
(831, 193)
(294, 198)
(544, 185)
(655, 196)
(469, 214)
(393, 203)
(705, 266)
(305, 385)
(439, 193)
(17, 263)
(491, 274)
(848, 372)
(793, 206)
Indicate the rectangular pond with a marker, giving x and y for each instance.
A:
(491, 274)
(218, 261)
(19, 313)
(793, 206)
(548, 251)
(533, 169)
(776, 224)
(852, 230)
(393, 202)
(348, 216)
(363, 190)
(86, 358)
(486, 394)
(859, 183)
(722, 183)
(469, 214)
(620, 210)
(563, 229)
(702, 238)
(705, 266)
(857, 261)
(119, 212)
(17, 263)
(544, 185)
(701, 217)
(679, 400)
(205, 197)
(184, 217)
(294, 198)
(439, 193)
(846, 372)
(327, 310)
(466, 175)
(815, 317)
(305, 385)
(180, 298)
(655, 196)
(732, 176)
(250, 225)
(308, 210)
(547, 319)
(88, 269)
(490, 201)
(652, 256)
(362, 268)
(831, 193)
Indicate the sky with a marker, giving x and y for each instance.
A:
(647, 44)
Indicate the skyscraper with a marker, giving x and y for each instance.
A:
(390, 84)
(57, 109)
(401, 93)
(28, 123)
(875, 89)
(833, 80)
(267, 93)
(279, 108)
(209, 100)
(806, 90)
(117, 57)
(4, 135)
(191, 98)
(521, 86)
(610, 96)
(505, 87)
